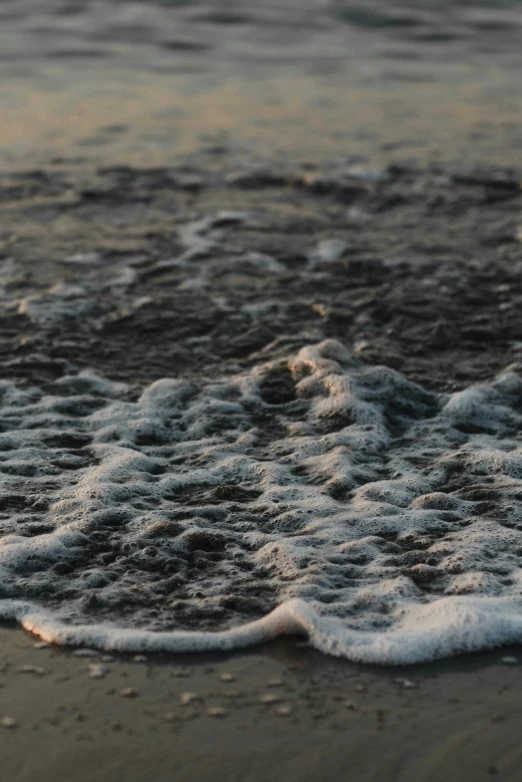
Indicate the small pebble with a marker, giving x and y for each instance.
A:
(361, 688)
(170, 716)
(128, 692)
(41, 645)
(274, 682)
(188, 697)
(350, 705)
(406, 684)
(31, 669)
(320, 309)
(269, 698)
(216, 711)
(285, 710)
(227, 677)
(510, 660)
(140, 658)
(97, 671)
(8, 722)
(107, 658)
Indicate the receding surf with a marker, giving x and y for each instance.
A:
(313, 495)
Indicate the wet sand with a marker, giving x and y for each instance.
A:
(427, 278)
(280, 710)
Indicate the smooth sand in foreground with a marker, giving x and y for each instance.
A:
(279, 711)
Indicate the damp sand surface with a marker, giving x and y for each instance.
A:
(280, 710)
(217, 262)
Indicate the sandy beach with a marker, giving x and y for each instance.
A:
(280, 709)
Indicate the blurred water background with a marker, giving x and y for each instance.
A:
(141, 82)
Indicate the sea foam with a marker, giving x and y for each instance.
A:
(314, 495)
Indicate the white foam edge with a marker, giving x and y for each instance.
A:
(442, 628)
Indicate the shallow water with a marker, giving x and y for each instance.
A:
(303, 489)
(380, 519)
(141, 82)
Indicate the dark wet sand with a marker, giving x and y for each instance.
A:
(429, 282)
(328, 719)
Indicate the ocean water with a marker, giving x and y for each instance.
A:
(312, 494)
(108, 81)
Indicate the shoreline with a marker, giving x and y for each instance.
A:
(422, 639)
(460, 719)
(280, 708)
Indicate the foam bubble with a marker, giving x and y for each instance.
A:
(311, 495)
